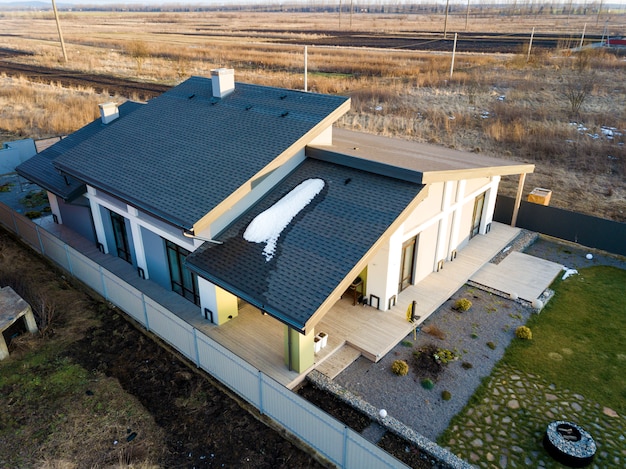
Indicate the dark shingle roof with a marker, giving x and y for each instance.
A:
(320, 247)
(184, 152)
(40, 168)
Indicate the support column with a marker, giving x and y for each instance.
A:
(298, 351)
(518, 198)
(442, 231)
(456, 217)
(218, 305)
(96, 214)
(54, 207)
(490, 204)
(140, 252)
(383, 271)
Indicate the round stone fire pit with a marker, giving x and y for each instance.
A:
(569, 444)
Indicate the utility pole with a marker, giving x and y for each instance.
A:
(56, 16)
(445, 23)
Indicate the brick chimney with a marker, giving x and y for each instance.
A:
(222, 82)
(108, 112)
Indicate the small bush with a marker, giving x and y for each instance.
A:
(406, 343)
(32, 214)
(523, 332)
(467, 365)
(446, 395)
(491, 345)
(445, 356)
(427, 383)
(400, 367)
(462, 305)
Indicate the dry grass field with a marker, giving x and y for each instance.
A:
(562, 110)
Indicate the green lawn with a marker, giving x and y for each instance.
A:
(572, 369)
(578, 339)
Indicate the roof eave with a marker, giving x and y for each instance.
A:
(430, 177)
(358, 268)
(247, 298)
(205, 222)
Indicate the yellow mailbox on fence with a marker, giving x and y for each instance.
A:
(540, 196)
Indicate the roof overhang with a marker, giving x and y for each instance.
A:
(409, 160)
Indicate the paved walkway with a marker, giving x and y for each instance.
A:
(519, 275)
(489, 433)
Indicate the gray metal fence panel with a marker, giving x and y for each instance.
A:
(171, 328)
(593, 232)
(54, 249)
(86, 270)
(304, 420)
(7, 218)
(27, 231)
(124, 296)
(361, 454)
(231, 370)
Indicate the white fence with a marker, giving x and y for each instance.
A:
(332, 439)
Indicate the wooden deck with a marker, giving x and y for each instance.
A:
(352, 330)
(519, 274)
(374, 332)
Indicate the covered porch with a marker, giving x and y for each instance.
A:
(352, 330)
(355, 330)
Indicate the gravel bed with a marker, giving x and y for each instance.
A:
(480, 336)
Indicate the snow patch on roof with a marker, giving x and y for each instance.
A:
(268, 225)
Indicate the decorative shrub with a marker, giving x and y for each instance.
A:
(462, 305)
(467, 365)
(406, 343)
(445, 356)
(446, 395)
(32, 214)
(427, 383)
(491, 345)
(523, 332)
(400, 367)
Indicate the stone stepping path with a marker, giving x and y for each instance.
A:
(506, 428)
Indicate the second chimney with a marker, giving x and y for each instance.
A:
(108, 112)
(222, 82)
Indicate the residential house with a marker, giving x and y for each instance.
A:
(231, 193)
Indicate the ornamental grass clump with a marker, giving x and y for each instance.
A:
(462, 304)
(523, 332)
(446, 395)
(445, 356)
(400, 367)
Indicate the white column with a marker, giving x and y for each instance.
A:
(383, 271)
(442, 232)
(54, 207)
(220, 305)
(456, 217)
(135, 229)
(96, 214)
(490, 203)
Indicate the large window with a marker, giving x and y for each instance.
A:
(184, 283)
(121, 237)
(479, 204)
(407, 265)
